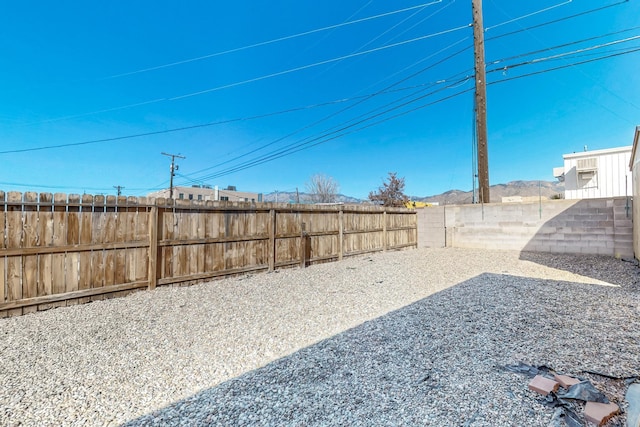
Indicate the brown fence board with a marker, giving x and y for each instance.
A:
(30, 239)
(14, 241)
(3, 245)
(98, 233)
(45, 233)
(58, 250)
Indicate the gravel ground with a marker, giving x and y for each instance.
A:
(417, 337)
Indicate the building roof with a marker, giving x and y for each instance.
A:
(597, 152)
(636, 141)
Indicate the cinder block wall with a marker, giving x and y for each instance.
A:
(594, 226)
(431, 227)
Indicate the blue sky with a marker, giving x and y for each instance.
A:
(77, 72)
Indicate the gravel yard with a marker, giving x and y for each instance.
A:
(418, 337)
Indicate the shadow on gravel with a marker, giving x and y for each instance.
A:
(600, 267)
(439, 361)
(594, 225)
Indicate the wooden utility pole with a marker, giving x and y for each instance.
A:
(119, 189)
(481, 102)
(174, 168)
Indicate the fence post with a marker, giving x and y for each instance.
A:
(384, 230)
(340, 233)
(305, 247)
(272, 239)
(153, 247)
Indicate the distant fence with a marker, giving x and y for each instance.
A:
(57, 250)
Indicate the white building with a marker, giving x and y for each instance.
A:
(206, 192)
(596, 174)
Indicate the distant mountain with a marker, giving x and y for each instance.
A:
(546, 189)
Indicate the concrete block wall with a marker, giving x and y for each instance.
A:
(431, 227)
(594, 226)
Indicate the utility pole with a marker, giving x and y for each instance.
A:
(174, 168)
(119, 188)
(481, 102)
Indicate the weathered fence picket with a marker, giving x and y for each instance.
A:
(58, 250)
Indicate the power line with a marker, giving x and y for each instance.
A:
(158, 100)
(319, 140)
(563, 45)
(295, 147)
(316, 64)
(201, 125)
(366, 98)
(595, 81)
(637, 49)
(336, 134)
(529, 15)
(555, 21)
(214, 123)
(561, 55)
(259, 78)
(280, 39)
(398, 24)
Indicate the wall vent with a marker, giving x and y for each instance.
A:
(587, 165)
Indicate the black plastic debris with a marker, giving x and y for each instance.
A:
(571, 419)
(564, 416)
(584, 391)
(567, 411)
(530, 371)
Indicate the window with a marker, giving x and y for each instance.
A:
(199, 196)
(181, 196)
(224, 198)
(190, 196)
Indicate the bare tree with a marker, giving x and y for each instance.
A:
(322, 188)
(391, 193)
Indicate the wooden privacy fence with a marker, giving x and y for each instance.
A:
(57, 250)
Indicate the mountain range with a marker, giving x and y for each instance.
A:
(544, 189)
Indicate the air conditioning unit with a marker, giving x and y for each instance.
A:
(587, 172)
(587, 165)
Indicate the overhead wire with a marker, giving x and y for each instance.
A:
(184, 128)
(563, 45)
(332, 135)
(529, 15)
(260, 78)
(276, 40)
(364, 99)
(612, 55)
(297, 146)
(397, 25)
(326, 138)
(595, 81)
(561, 55)
(158, 100)
(207, 124)
(258, 116)
(316, 64)
(555, 21)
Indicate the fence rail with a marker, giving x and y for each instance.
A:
(58, 250)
